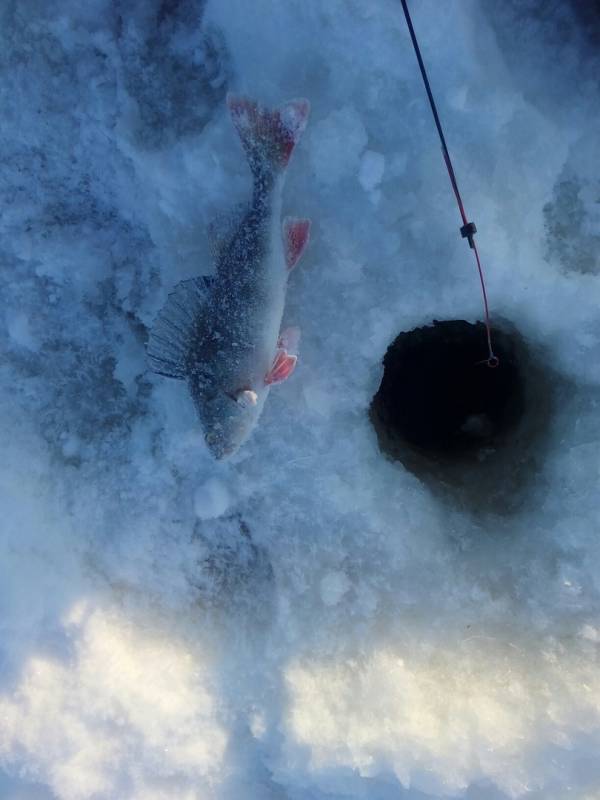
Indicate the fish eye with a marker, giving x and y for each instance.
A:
(231, 397)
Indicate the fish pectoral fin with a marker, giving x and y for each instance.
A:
(283, 366)
(296, 235)
(289, 339)
(178, 327)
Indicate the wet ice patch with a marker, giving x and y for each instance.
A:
(572, 227)
(174, 70)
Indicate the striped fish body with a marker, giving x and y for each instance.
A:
(222, 335)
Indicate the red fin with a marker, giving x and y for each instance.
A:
(289, 339)
(268, 137)
(283, 366)
(296, 235)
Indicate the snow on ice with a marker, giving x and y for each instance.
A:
(308, 620)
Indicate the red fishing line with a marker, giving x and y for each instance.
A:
(468, 229)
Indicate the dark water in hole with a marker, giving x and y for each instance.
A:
(470, 432)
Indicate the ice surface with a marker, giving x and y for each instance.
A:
(307, 621)
(372, 167)
(333, 587)
(211, 499)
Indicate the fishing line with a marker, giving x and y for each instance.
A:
(468, 229)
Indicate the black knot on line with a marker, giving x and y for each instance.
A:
(468, 231)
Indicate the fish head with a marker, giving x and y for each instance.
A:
(228, 419)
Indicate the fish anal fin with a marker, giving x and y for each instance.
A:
(296, 235)
(283, 366)
(178, 327)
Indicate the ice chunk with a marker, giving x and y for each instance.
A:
(591, 633)
(336, 145)
(372, 167)
(19, 330)
(334, 586)
(318, 398)
(457, 97)
(212, 499)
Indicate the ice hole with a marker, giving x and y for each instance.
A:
(454, 422)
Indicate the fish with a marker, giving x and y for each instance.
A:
(222, 333)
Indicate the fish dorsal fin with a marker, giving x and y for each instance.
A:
(179, 326)
(222, 229)
(296, 233)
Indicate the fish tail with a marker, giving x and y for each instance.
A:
(268, 137)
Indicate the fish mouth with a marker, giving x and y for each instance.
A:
(218, 448)
(226, 432)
